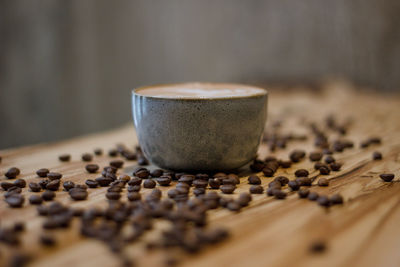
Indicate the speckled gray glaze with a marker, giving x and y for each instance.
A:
(205, 134)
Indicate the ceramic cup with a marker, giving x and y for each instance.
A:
(199, 133)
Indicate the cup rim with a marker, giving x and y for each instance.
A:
(255, 95)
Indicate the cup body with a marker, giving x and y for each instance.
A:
(206, 134)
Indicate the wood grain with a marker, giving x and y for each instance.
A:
(362, 232)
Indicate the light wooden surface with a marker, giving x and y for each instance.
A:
(363, 231)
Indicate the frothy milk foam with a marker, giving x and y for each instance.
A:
(200, 90)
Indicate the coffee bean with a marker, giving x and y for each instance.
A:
(187, 178)
(81, 186)
(323, 182)
(234, 177)
(112, 152)
(133, 196)
(142, 161)
(228, 181)
(200, 183)
(294, 185)
(78, 194)
(199, 191)
(233, 206)
(254, 179)
(279, 194)
(282, 180)
(301, 173)
(318, 247)
(256, 189)
(20, 183)
(164, 180)
(323, 201)
(377, 155)
(387, 177)
(202, 176)
(268, 172)
(303, 193)
(98, 151)
(87, 157)
(47, 240)
(329, 159)
(53, 185)
(68, 185)
(135, 181)
(15, 200)
(6, 185)
(19, 227)
(315, 156)
(92, 168)
(335, 166)
(113, 195)
(304, 181)
(54, 175)
(110, 169)
(103, 181)
(327, 151)
(285, 164)
(42, 172)
(336, 199)
(117, 163)
(214, 183)
(48, 195)
(313, 196)
(275, 184)
(142, 173)
(257, 165)
(12, 173)
(318, 165)
(35, 200)
(43, 183)
(134, 188)
(64, 157)
(228, 188)
(324, 170)
(157, 173)
(149, 183)
(297, 155)
(91, 183)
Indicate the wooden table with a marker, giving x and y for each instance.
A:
(364, 231)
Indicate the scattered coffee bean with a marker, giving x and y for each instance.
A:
(35, 200)
(329, 159)
(134, 188)
(78, 194)
(227, 188)
(254, 179)
(275, 184)
(91, 183)
(301, 173)
(387, 177)
(47, 240)
(336, 199)
(43, 183)
(315, 156)
(214, 183)
(228, 181)
(187, 178)
(324, 170)
(294, 185)
(15, 200)
(124, 178)
(135, 181)
(92, 168)
(303, 192)
(113, 195)
(313, 196)
(377, 155)
(87, 157)
(233, 206)
(268, 172)
(64, 157)
(279, 194)
(12, 173)
(104, 181)
(133, 196)
(335, 166)
(48, 195)
(324, 201)
(149, 183)
(304, 181)
(199, 191)
(6, 185)
(200, 183)
(256, 189)
(54, 176)
(20, 183)
(318, 165)
(112, 152)
(285, 164)
(165, 180)
(98, 151)
(282, 180)
(53, 185)
(117, 163)
(68, 185)
(297, 155)
(323, 182)
(42, 172)
(257, 165)
(142, 173)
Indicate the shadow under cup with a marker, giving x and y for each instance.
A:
(200, 134)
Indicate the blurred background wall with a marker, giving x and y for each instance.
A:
(67, 67)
